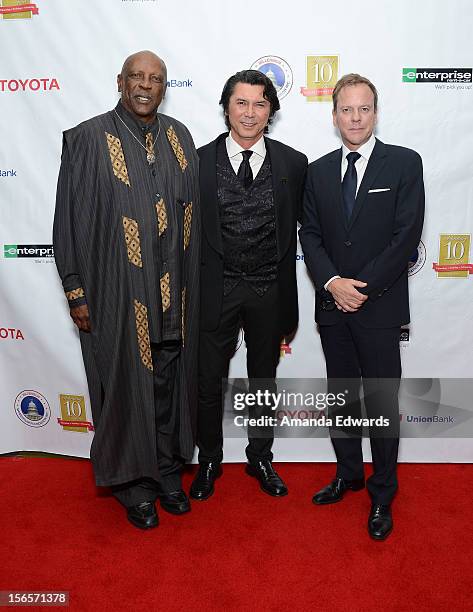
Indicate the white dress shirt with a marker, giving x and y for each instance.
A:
(365, 151)
(234, 154)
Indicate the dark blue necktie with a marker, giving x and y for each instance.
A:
(349, 184)
(245, 174)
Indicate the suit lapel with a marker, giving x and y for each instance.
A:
(334, 182)
(280, 181)
(208, 194)
(375, 164)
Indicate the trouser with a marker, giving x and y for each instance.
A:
(353, 352)
(166, 361)
(259, 318)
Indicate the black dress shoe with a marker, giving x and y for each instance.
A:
(143, 516)
(203, 484)
(335, 491)
(268, 478)
(380, 522)
(175, 502)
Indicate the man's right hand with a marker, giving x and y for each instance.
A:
(80, 316)
(344, 292)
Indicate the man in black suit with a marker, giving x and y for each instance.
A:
(251, 192)
(363, 216)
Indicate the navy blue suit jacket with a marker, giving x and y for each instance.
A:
(376, 244)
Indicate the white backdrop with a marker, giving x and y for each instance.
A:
(58, 67)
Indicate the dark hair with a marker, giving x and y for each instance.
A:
(250, 77)
(353, 79)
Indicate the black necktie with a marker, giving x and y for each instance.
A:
(349, 184)
(245, 173)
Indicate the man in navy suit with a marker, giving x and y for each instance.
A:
(363, 216)
(251, 190)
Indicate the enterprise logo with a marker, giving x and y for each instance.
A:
(28, 250)
(436, 75)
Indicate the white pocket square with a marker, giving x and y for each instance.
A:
(379, 190)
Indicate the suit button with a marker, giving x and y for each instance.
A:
(347, 243)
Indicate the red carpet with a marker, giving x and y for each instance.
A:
(240, 550)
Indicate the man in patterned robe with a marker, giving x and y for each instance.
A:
(127, 243)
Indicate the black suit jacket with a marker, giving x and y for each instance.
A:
(288, 168)
(376, 244)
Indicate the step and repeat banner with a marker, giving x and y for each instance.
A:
(58, 65)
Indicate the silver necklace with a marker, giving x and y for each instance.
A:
(150, 157)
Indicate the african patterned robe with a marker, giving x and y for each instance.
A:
(126, 240)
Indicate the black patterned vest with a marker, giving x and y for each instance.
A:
(248, 224)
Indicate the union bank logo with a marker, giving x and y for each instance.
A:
(17, 9)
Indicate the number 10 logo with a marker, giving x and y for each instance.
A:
(73, 413)
(321, 75)
(454, 254)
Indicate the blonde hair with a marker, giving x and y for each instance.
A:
(353, 79)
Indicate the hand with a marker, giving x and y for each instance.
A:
(80, 316)
(344, 292)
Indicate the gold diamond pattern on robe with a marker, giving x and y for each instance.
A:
(162, 217)
(75, 294)
(176, 147)
(132, 239)
(149, 144)
(166, 291)
(183, 315)
(142, 332)
(117, 158)
(187, 225)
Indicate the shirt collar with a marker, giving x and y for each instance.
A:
(133, 122)
(365, 150)
(233, 148)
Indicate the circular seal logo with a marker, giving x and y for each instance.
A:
(417, 261)
(32, 408)
(278, 71)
